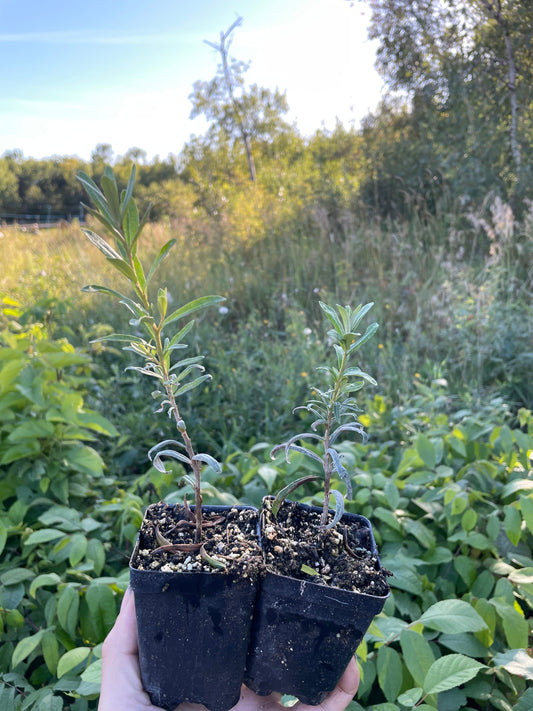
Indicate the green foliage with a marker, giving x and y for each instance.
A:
(335, 409)
(465, 130)
(449, 492)
(58, 589)
(450, 495)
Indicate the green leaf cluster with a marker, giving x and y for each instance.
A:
(59, 592)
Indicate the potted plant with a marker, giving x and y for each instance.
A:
(324, 581)
(194, 570)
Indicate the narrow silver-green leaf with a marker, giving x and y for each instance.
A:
(341, 470)
(282, 495)
(101, 244)
(191, 307)
(165, 249)
(209, 460)
(370, 331)
(126, 195)
(193, 384)
(159, 464)
(339, 508)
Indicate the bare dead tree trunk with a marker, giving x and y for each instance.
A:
(495, 11)
(223, 49)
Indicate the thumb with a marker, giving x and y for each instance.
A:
(342, 694)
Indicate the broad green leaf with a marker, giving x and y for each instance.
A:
(11, 596)
(420, 531)
(102, 607)
(410, 697)
(31, 429)
(50, 650)
(488, 613)
(96, 553)
(525, 702)
(403, 578)
(44, 535)
(3, 536)
(518, 485)
(16, 575)
(387, 517)
(417, 653)
(522, 576)
(68, 606)
(515, 626)
(93, 673)
(390, 674)
(42, 580)
(450, 671)
(452, 617)
(84, 459)
(426, 451)
(464, 643)
(268, 474)
(466, 567)
(483, 584)
(77, 548)
(517, 662)
(469, 519)
(526, 506)
(25, 647)
(512, 524)
(97, 423)
(71, 659)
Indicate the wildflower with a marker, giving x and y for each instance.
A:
(223, 310)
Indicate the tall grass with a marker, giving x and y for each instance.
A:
(452, 295)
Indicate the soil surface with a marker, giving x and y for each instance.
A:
(230, 542)
(340, 557)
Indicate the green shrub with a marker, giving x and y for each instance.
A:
(450, 494)
(56, 531)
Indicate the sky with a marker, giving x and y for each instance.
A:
(76, 74)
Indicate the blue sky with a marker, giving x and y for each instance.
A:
(120, 71)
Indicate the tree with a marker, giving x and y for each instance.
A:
(471, 65)
(239, 112)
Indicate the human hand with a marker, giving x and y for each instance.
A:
(122, 689)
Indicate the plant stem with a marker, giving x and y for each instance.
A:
(155, 331)
(327, 429)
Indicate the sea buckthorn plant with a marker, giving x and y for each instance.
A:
(151, 323)
(335, 407)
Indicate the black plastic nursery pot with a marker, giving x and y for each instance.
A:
(194, 630)
(304, 634)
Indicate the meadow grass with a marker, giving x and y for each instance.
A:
(452, 297)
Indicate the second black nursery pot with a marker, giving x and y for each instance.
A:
(194, 631)
(304, 634)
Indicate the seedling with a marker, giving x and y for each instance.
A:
(335, 407)
(119, 216)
